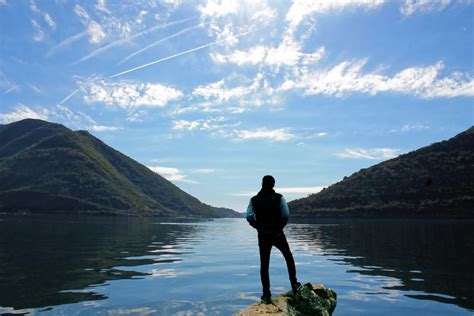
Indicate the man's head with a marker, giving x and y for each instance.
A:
(268, 182)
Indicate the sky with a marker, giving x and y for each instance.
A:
(213, 95)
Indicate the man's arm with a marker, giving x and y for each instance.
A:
(251, 215)
(285, 212)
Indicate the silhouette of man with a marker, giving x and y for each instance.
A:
(268, 213)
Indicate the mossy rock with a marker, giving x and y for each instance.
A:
(312, 300)
(308, 300)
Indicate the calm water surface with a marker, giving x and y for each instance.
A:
(85, 265)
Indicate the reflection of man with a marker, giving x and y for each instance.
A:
(268, 213)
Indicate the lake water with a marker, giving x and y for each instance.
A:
(83, 265)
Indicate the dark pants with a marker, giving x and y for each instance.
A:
(265, 243)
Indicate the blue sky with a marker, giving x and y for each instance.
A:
(215, 94)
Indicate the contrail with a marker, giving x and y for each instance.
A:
(70, 95)
(123, 40)
(178, 54)
(161, 41)
(66, 42)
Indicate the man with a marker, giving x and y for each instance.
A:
(268, 213)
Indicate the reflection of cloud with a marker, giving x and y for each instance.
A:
(142, 311)
(166, 273)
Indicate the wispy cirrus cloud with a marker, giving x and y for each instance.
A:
(129, 38)
(301, 9)
(208, 124)
(7, 85)
(412, 127)
(348, 77)
(410, 7)
(370, 153)
(181, 32)
(46, 17)
(39, 33)
(177, 55)
(96, 33)
(21, 112)
(287, 53)
(276, 135)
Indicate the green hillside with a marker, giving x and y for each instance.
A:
(46, 167)
(436, 181)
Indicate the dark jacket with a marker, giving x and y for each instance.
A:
(268, 212)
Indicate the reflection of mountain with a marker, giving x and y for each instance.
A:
(58, 260)
(434, 258)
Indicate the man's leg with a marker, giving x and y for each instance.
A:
(265, 247)
(282, 244)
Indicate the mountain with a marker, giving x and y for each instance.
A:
(46, 167)
(435, 181)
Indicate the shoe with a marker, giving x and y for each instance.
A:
(266, 298)
(295, 287)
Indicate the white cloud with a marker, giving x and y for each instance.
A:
(308, 190)
(218, 8)
(23, 112)
(96, 34)
(103, 128)
(254, 55)
(234, 94)
(371, 153)
(211, 124)
(185, 125)
(414, 127)
(348, 77)
(171, 174)
(412, 6)
(220, 92)
(128, 95)
(288, 53)
(3, 2)
(291, 190)
(300, 9)
(39, 34)
(47, 18)
(278, 135)
(318, 135)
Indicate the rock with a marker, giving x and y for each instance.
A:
(308, 300)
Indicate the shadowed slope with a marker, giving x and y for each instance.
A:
(437, 180)
(45, 167)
